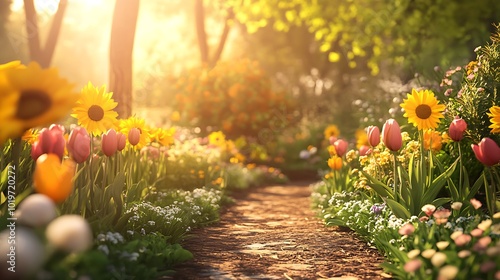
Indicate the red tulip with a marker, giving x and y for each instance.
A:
(109, 143)
(340, 147)
(373, 135)
(50, 141)
(364, 150)
(79, 144)
(134, 136)
(487, 152)
(121, 141)
(391, 135)
(457, 129)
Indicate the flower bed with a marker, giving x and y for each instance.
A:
(425, 194)
(97, 196)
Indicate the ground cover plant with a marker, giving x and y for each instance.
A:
(425, 193)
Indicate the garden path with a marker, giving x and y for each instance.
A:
(271, 233)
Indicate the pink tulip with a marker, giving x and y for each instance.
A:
(487, 152)
(373, 135)
(134, 136)
(340, 147)
(50, 141)
(79, 144)
(109, 143)
(391, 135)
(457, 129)
(364, 150)
(121, 141)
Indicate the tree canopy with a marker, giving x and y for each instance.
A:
(413, 34)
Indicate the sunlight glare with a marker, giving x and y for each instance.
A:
(49, 6)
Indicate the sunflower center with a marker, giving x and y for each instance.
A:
(96, 113)
(32, 103)
(423, 111)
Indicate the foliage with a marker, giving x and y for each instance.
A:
(173, 213)
(114, 257)
(235, 97)
(434, 242)
(362, 33)
(478, 90)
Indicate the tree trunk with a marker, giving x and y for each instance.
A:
(7, 42)
(32, 31)
(55, 28)
(199, 12)
(36, 53)
(120, 54)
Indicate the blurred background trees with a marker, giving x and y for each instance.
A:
(345, 62)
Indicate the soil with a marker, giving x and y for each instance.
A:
(271, 232)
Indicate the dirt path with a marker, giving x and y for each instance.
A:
(271, 233)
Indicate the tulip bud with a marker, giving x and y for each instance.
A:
(50, 141)
(121, 141)
(79, 144)
(391, 135)
(109, 142)
(364, 150)
(487, 152)
(53, 178)
(340, 147)
(134, 136)
(373, 135)
(457, 129)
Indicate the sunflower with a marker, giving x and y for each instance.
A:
(31, 97)
(94, 110)
(164, 137)
(423, 109)
(494, 115)
(331, 130)
(133, 122)
(10, 65)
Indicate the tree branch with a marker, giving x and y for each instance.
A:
(55, 28)
(223, 38)
(199, 13)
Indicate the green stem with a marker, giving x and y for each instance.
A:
(394, 171)
(91, 177)
(16, 155)
(495, 184)
(460, 183)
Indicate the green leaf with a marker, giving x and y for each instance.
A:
(182, 255)
(380, 188)
(440, 201)
(335, 222)
(475, 188)
(399, 210)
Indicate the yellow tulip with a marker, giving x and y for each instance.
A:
(53, 178)
(335, 162)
